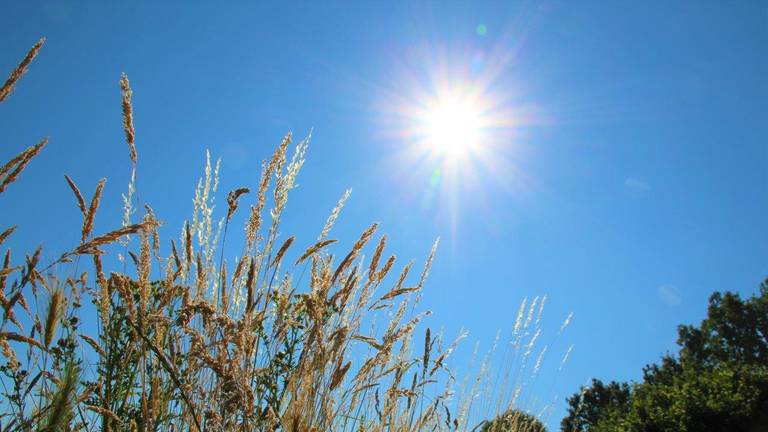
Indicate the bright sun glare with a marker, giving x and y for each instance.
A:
(452, 127)
(454, 119)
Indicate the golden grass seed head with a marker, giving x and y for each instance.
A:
(90, 214)
(376, 256)
(314, 249)
(130, 133)
(282, 251)
(334, 215)
(53, 316)
(233, 199)
(20, 70)
(78, 195)
(254, 220)
(19, 163)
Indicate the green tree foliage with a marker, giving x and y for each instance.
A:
(717, 382)
(514, 421)
(595, 403)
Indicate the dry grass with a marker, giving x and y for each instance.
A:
(249, 346)
(20, 70)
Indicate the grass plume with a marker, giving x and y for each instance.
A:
(20, 70)
(293, 335)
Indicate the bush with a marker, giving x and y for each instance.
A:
(514, 421)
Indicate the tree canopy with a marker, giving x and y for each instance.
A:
(514, 421)
(718, 381)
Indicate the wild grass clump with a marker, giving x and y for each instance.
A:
(284, 337)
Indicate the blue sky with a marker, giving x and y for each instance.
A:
(627, 180)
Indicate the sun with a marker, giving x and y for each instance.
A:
(452, 127)
(453, 122)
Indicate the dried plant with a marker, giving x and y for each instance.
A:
(182, 342)
(20, 70)
(11, 170)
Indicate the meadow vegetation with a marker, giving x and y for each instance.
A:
(285, 337)
(123, 333)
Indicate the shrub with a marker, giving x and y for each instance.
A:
(514, 421)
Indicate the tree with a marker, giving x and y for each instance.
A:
(735, 331)
(592, 403)
(717, 382)
(514, 421)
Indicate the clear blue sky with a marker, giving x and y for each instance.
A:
(628, 185)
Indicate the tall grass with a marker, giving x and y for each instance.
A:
(288, 336)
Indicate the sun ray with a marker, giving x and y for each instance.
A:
(455, 120)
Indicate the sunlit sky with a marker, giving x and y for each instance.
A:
(611, 155)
